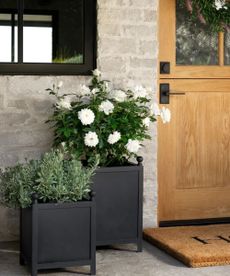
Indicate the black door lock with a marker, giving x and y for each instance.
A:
(164, 67)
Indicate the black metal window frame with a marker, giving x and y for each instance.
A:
(89, 54)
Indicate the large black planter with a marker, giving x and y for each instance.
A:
(58, 235)
(119, 200)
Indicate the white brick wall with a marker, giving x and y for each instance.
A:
(127, 54)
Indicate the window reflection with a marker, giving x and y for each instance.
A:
(195, 44)
(38, 39)
(8, 34)
(227, 48)
(53, 31)
(5, 45)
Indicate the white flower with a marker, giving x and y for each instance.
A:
(165, 115)
(63, 144)
(86, 116)
(139, 92)
(118, 95)
(107, 86)
(84, 90)
(106, 107)
(114, 137)
(220, 4)
(96, 73)
(146, 122)
(60, 84)
(133, 146)
(95, 90)
(64, 103)
(91, 139)
(155, 110)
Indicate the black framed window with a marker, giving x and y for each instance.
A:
(47, 37)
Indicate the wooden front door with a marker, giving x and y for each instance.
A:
(194, 149)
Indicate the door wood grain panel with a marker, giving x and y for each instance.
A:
(194, 153)
(203, 136)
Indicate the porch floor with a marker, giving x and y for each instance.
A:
(151, 262)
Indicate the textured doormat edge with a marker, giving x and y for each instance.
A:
(181, 257)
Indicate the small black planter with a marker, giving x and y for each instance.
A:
(58, 235)
(119, 200)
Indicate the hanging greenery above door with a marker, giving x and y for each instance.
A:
(214, 13)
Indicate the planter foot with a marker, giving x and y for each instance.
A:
(139, 247)
(34, 271)
(21, 260)
(93, 269)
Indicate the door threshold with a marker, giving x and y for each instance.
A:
(192, 222)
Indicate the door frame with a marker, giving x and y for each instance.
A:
(165, 15)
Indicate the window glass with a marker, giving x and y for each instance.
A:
(5, 34)
(53, 31)
(227, 48)
(8, 34)
(37, 39)
(195, 44)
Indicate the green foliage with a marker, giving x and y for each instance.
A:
(126, 118)
(77, 59)
(217, 20)
(53, 178)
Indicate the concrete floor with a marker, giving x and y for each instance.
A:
(114, 262)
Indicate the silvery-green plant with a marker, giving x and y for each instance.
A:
(99, 121)
(53, 178)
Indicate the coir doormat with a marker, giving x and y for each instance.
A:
(195, 246)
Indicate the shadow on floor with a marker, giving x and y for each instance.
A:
(161, 255)
(9, 255)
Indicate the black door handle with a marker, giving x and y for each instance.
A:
(165, 93)
(174, 93)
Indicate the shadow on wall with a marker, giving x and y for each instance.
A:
(9, 221)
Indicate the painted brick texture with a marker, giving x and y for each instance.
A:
(127, 55)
